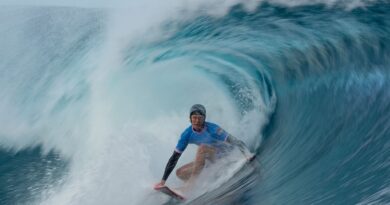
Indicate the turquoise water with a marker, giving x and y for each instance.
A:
(93, 100)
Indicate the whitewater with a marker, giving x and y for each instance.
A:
(94, 97)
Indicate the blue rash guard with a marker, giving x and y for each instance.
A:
(211, 135)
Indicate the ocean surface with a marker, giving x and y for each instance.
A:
(95, 95)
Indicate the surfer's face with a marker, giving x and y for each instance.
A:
(197, 122)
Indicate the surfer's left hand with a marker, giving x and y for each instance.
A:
(159, 185)
(250, 157)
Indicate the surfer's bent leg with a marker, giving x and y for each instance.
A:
(194, 168)
(204, 152)
(184, 172)
(171, 165)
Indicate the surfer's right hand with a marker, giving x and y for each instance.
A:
(159, 185)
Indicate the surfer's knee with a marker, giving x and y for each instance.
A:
(179, 172)
(205, 152)
(203, 149)
(185, 171)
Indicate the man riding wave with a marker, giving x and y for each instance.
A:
(213, 141)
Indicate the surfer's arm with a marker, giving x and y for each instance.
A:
(171, 165)
(180, 147)
(241, 146)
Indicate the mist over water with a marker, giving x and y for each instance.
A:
(95, 96)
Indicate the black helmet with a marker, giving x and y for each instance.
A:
(198, 109)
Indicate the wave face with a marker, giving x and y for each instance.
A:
(94, 99)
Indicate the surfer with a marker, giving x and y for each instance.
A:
(212, 140)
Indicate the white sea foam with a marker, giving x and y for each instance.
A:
(120, 133)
